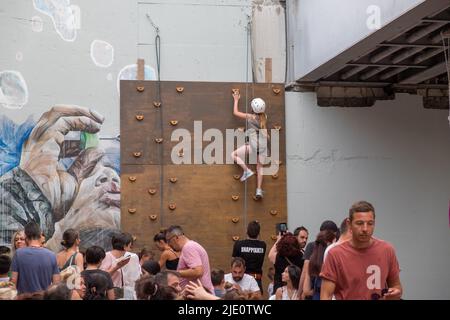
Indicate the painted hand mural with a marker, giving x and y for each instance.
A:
(84, 195)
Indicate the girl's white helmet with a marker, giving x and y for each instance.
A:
(258, 105)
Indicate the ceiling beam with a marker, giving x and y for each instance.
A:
(396, 27)
(429, 73)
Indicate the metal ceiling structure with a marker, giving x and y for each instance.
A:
(406, 55)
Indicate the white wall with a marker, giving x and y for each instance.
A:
(321, 29)
(395, 155)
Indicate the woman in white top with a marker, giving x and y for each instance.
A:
(290, 276)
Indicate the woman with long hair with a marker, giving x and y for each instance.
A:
(288, 253)
(312, 288)
(17, 241)
(70, 255)
(290, 276)
(258, 136)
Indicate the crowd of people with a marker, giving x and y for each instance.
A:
(345, 263)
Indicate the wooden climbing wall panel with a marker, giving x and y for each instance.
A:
(157, 193)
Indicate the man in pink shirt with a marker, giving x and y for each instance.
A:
(363, 268)
(194, 261)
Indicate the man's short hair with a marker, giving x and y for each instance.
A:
(120, 241)
(95, 255)
(361, 206)
(253, 229)
(58, 291)
(237, 262)
(297, 230)
(174, 230)
(5, 263)
(32, 231)
(5, 250)
(217, 276)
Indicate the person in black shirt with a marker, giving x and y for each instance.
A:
(252, 251)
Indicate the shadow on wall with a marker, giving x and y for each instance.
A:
(59, 183)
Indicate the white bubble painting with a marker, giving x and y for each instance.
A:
(13, 90)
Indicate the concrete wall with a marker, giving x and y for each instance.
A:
(394, 155)
(320, 29)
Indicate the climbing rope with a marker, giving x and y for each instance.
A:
(161, 120)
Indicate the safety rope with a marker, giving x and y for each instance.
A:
(161, 119)
(247, 154)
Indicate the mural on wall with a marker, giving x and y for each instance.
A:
(62, 15)
(56, 182)
(60, 171)
(13, 90)
(102, 53)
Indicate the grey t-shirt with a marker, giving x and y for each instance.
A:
(309, 250)
(35, 268)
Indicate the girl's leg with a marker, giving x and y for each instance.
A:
(239, 154)
(259, 171)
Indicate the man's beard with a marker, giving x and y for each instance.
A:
(237, 279)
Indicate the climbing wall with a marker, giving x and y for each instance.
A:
(207, 200)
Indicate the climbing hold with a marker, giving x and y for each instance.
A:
(156, 104)
(235, 220)
(277, 128)
(137, 154)
(152, 191)
(153, 217)
(173, 180)
(132, 178)
(172, 206)
(140, 89)
(276, 90)
(235, 238)
(236, 177)
(275, 176)
(273, 237)
(132, 210)
(158, 140)
(174, 122)
(180, 89)
(139, 117)
(235, 197)
(273, 212)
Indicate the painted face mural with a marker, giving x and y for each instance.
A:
(58, 183)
